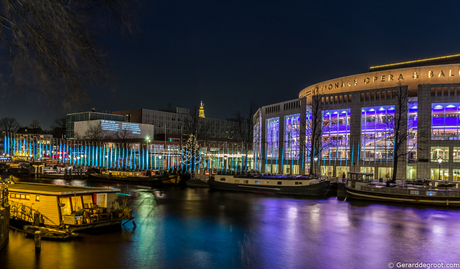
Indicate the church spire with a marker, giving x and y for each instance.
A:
(201, 112)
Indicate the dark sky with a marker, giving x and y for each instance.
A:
(229, 52)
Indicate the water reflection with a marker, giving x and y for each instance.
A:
(198, 228)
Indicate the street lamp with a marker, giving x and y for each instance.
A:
(439, 161)
(316, 160)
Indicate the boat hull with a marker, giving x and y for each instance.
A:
(150, 181)
(319, 189)
(399, 198)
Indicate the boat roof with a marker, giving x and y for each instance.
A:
(58, 190)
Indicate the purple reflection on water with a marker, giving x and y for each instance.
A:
(198, 228)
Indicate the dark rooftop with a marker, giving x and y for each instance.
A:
(448, 59)
(56, 189)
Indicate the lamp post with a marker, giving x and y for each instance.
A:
(316, 161)
(439, 161)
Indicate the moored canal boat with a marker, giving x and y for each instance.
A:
(275, 184)
(149, 177)
(65, 208)
(361, 186)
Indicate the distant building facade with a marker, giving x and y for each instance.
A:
(88, 116)
(175, 121)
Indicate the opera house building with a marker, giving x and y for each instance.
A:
(408, 112)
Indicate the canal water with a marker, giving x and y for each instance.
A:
(179, 227)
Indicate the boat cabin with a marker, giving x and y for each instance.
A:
(59, 204)
(360, 176)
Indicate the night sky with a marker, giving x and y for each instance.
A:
(229, 52)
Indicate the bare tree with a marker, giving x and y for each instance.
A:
(401, 136)
(60, 123)
(51, 44)
(313, 140)
(9, 125)
(35, 124)
(95, 133)
(246, 129)
(124, 135)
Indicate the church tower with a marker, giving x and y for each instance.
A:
(201, 112)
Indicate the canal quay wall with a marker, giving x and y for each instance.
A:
(4, 225)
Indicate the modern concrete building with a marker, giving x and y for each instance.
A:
(89, 116)
(358, 122)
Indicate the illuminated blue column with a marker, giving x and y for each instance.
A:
(131, 158)
(147, 158)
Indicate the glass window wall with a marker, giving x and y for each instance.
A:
(439, 152)
(456, 154)
(377, 128)
(272, 138)
(436, 176)
(385, 172)
(412, 120)
(445, 121)
(367, 170)
(336, 135)
(456, 175)
(342, 171)
(327, 171)
(291, 136)
(257, 145)
(411, 172)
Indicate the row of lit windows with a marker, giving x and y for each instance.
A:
(22, 196)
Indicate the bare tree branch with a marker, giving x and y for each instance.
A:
(52, 48)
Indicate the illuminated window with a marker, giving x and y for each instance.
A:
(272, 138)
(291, 136)
(257, 182)
(445, 119)
(28, 197)
(13, 195)
(439, 152)
(336, 135)
(37, 198)
(456, 154)
(377, 127)
(23, 196)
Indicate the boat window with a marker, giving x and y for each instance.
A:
(101, 199)
(265, 182)
(280, 183)
(300, 183)
(296, 183)
(237, 181)
(37, 198)
(27, 197)
(23, 196)
(87, 201)
(431, 193)
(13, 195)
(76, 203)
(246, 181)
(64, 203)
(257, 182)
(222, 179)
(415, 192)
